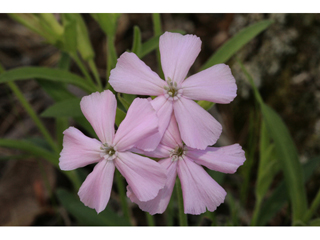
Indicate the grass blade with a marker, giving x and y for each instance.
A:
(44, 73)
(136, 46)
(87, 216)
(31, 148)
(227, 50)
(286, 154)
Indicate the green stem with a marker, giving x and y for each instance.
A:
(94, 70)
(150, 219)
(157, 32)
(111, 56)
(122, 194)
(33, 115)
(182, 217)
(314, 206)
(84, 70)
(256, 212)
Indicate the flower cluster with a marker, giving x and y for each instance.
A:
(171, 127)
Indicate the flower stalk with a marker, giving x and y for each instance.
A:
(182, 217)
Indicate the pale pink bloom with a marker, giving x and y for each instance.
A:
(199, 190)
(144, 176)
(176, 94)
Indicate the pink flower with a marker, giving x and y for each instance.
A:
(199, 190)
(144, 176)
(176, 94)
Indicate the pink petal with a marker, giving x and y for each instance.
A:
(78, 150)
(140, 122)
(164, 110)
(100, 110)
(145, 176)
(171, 137)
(178, 53)
(198, 128)
(215, 84)
(223, 159)
(95, 190)
(161, 151)
(161, 201)
(199, 190)
(133, 76)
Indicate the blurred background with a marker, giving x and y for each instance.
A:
(283, 61)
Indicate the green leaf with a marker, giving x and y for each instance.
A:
(205, 104)
(286, 154)
(227, 50)
(136, 46)
(83, 40)
(70, 33)
(44, 73)
(124, 102)
(279, 196)
(13, 157)
(87, 216)
(65, 108)
(38, 24)
(107, 22)
(315, 222)
(31, 148)
(289, 161)
(51, 23)
(268, 166)
(57, 91)
(120, 115)
(149, 46)
(232, 46)
(64, 62)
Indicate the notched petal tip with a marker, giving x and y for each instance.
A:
(78, 150)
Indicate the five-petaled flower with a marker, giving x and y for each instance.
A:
(199, 190)
(144, 176)
(197, 127)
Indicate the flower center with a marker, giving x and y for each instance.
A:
(108, 152)
(178, 153)
(172, 91)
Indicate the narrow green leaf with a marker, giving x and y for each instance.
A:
(136, 46)
(33, 22)
(227, 50)
(205, 104)
(52, 22)
(107, 21)
(56, 75)
(57, 91)
(129, 97)
(279, 196)
(83, 40)
(50, 26)
(156, 19)
(64, 62)
(149, 46)
(289, 160)
(268, 166)
(315, 222)
(70, 33)
(286, 154)
(31, 148)
(124, 102)
(87, 216)
(65, 108)
(120, 115)
(13, 157)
